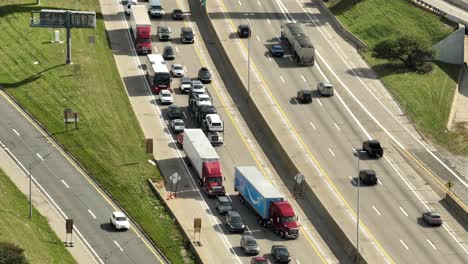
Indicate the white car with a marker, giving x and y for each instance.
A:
(165, 97)
(177, 125)
(325, 88)
(177, 70)
(185, 84)
(119, 221)
(197, 87)
(203, 99)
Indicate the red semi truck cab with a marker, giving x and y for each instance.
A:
(212, 181)
(141, 28)
(283, 219)
(143, 39)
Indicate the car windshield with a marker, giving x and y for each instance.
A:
(251, 242)
(186, 82)
(145, 40)
(236, 219)
(168, 50)
(224, 203)
(165, 95)
(179, 122)
(164, 29)
(121, 218)
(216, 124)
(435, 215)
(204, 99)
(178, 68)
(287, 219)
(197, 86)
(282, 252)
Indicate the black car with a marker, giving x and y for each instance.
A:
(177, 14)
(368, 177)
(174, 112)
(234, 222)
(243, 31)
(373, 148)
(280, 254)
(204, 75)
(304, 96)
(186, 35)
(168, 53)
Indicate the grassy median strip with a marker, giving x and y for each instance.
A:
(109, 141)
(426, 98)
(40, 243)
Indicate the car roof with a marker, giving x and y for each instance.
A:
(178, 120)
(305, 91)
(326, 83)
(118, 214)
(433, 214)
(185, 79)
(223, 199)
(233, 213)
(214, 117)
(248, 237)
(177, 65)
(197, 81)
(278, 246)
(165, 92)
(368, 171)
(277, 46)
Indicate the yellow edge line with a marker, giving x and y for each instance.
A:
(72, 162)
(302, 142)
(251, 152)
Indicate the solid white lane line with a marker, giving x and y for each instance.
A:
(268, 20)
(269, 57)
(121, 249)
(331, 151)
(152, 162)
(403, 210)
(403, 243)
(297, 261)
(176, 49)
(155, 49)
(258, 38)
(375, 209)
(320, 103)
(290, 58)
(295, 101)
(303, 78)
(185, 116)
(91, 213)
(239, 3)
(185, 68)
(64, 183)
(430, 243)
(354, 181)
(312, 124)
(258, 2)
(39, 156)
(337, 127)
(379, 182)
(16, 132)
(281, 77)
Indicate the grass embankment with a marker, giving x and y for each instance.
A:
(109, 141)
(427, 98)
(40, 243)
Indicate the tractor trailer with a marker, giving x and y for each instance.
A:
(269, 205)
(302, 49)
(204, 159)
(141, 29)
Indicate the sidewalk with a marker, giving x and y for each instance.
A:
(79, 252)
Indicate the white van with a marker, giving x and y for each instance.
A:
(155, 8)
(129, 5)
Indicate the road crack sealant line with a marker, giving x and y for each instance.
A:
(374, 119)
(163, 124)
(51, 201)
(339, 52)
(298, 138)
(309, 239)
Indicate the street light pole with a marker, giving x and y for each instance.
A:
(357, 154)
(248, 63)
(30, 191)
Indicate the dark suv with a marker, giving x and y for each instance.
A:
(304, 96)
(186, 35)
(373, 148)
(368, 177)
(204, 75)
(234, 222)
(243, 31)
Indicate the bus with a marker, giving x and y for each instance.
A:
(158, 74)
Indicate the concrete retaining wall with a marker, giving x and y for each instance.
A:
(463, 4)
(329, 228)
(451, 49)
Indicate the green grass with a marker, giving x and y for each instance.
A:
(109, 141)
(40, 243)
(426, 98)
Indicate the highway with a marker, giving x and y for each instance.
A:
(70, 190)
(326, 131)
(240, 147)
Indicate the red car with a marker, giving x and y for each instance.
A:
(259, 260)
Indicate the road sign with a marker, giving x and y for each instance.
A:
(51, 18)
(197, 224)
(299, 178)
(149, 146)
(449, 184)
(175, 177)
(69, 226)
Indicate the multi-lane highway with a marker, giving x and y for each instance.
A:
(326, 131)
(70, 190)
(240, 147)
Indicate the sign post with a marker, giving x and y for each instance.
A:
(197, 229)
(174, 178)
(299, 180)
(51, 18)
(69, 230)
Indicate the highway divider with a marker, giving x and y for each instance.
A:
(341, 245)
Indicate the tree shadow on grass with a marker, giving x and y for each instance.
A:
(29, 79)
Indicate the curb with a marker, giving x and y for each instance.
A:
(50, 136)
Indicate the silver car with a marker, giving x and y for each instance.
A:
(223, 205)
(249, 245)
(177, 125)
(325, 88)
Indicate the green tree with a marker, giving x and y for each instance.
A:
(410, 50)
(11, 254)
